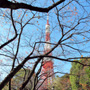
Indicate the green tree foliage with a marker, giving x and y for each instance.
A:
(20, 77)
(80, 78)
(61, 83)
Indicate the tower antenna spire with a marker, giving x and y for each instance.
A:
(47, 19)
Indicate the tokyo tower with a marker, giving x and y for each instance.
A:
(47, 68)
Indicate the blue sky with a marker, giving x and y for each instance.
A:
(35, 31)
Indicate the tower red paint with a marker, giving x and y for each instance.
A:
(47, 68)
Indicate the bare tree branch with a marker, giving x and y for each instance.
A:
(11, 5)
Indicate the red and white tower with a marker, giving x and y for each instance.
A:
(47, 68)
